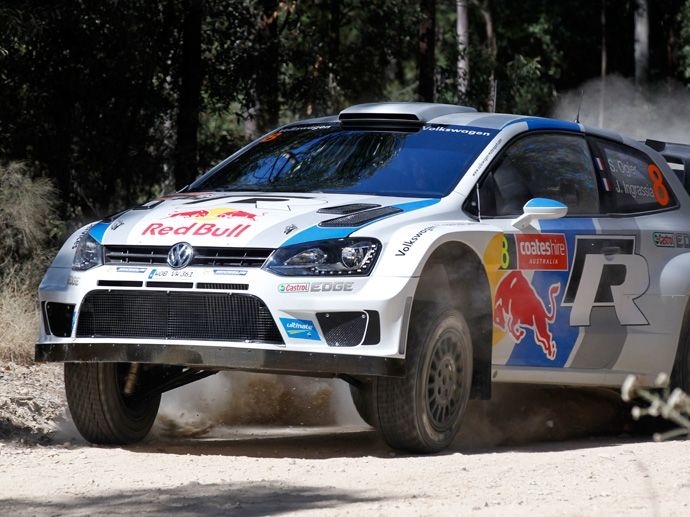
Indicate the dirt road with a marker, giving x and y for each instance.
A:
(530, 452)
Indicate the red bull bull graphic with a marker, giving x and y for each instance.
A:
(238, 213)
(214, 214)
(191, 213)
(518, 307)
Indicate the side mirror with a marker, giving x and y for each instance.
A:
(539, 208)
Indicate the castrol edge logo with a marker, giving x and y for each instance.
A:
(211, 222)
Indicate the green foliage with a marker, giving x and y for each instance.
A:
(530, 91)
(29, 225)
(91, 90)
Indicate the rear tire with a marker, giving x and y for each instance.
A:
(101, 411)
(422, 411)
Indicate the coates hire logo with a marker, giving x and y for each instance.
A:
(300, 329)
(212, 222)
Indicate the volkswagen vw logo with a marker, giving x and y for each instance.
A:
(180, 255)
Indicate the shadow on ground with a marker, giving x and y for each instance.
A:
(195, 499)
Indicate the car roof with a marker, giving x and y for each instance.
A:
(397, 115)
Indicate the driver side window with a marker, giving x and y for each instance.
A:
(555, 166)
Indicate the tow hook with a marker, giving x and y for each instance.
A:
(131, 380)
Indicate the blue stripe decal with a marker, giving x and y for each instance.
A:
(317, 233)
(98, 230)
(534, 123)
(577, 225)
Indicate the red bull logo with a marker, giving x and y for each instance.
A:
(211, 222)
(518, 306)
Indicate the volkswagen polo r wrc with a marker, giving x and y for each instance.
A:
(418, 251)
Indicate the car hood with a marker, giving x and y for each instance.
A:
(217, 219)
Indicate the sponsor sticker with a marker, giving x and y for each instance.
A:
(664, 240)
(406, 246)
(671, 240)
(131, 269)
(537, 252)
(294, 288)
(300, 329)
(195, 229)
(542, 251)
(230, 272)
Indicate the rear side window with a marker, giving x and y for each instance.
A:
(631, 181)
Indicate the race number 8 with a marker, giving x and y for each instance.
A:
(505, 253)
(660, 191)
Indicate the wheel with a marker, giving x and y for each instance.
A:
(101, 411)
(364, 399)
(422, 411)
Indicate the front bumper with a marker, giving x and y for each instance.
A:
(221, 357)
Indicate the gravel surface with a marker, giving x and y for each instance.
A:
(250, 445)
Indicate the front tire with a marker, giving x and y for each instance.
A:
(422, 411)
(101, 411)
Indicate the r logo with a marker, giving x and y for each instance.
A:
(606, 273)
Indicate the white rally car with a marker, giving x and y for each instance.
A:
(418, 251)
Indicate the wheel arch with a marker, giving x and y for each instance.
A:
(453, 275)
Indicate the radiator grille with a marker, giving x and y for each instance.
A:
(176, 315)
(203, 256)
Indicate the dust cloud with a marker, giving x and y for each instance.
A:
(658, 111)
(232, 398)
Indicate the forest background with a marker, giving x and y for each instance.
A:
(106, 104)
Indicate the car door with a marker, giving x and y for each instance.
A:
(567, 291)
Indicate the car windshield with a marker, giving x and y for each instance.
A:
(328, 158)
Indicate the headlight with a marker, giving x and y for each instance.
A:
(353, 257)
(88, 254)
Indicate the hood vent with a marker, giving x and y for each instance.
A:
(346, 209)
(360, 218)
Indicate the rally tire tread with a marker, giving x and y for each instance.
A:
(97, 409)
(398, 413)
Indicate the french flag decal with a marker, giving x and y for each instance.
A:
(605, 181)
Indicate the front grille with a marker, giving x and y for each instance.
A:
(203, 256)
(176, 315)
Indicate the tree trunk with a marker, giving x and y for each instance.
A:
(641, 41)
(186, 160)
(267, 77)
(463, 39)
(485, 11)
(427, 49)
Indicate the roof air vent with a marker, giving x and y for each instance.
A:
(396, 116)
